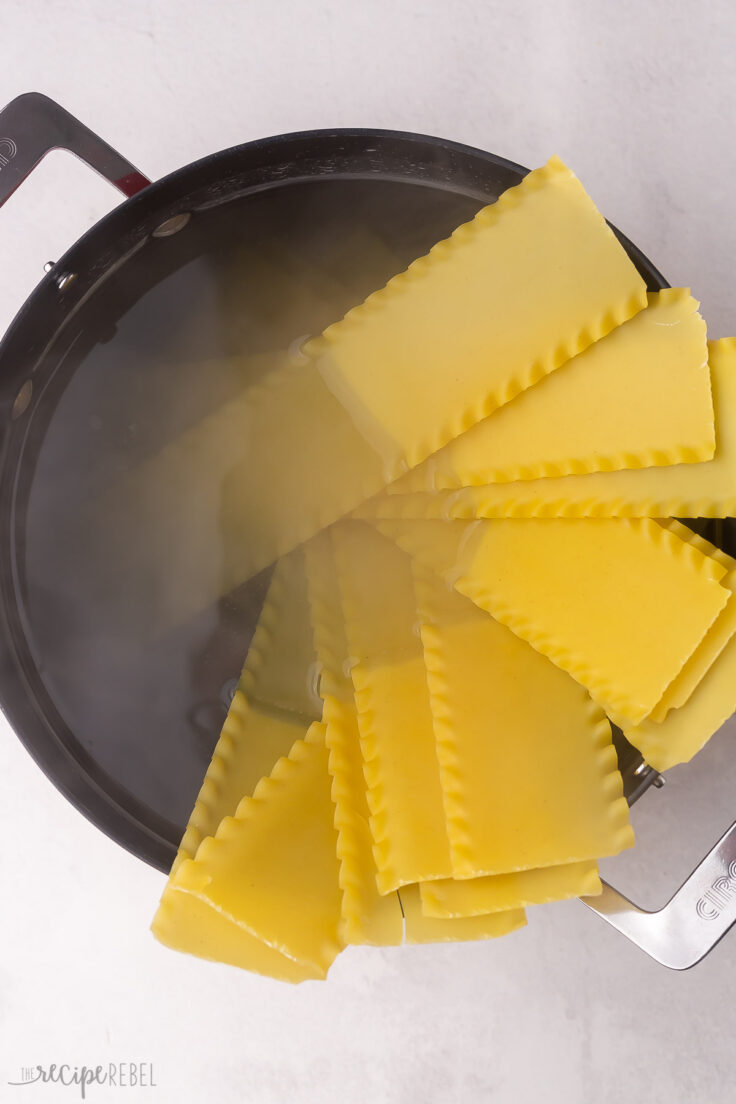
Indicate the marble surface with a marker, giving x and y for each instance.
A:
(638, 99)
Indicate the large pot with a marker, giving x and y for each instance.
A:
(125, 341)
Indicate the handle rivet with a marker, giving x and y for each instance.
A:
(227, 693)
(49, 265)
(172, 225)
(22, 400)
(65, 279)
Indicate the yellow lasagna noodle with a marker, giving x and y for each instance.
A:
(272, 870)
(470, 302)
(272, 707)
(528, 768)
(185, 923)
(705, 489)
(367, 917)
(638, 397)
(421, 928)
(687, 729)
(268, 713)
(394, 717)
(595, 596)
(450, 898)
(716, 638)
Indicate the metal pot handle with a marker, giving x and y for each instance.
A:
(692, 922)
(32, 125)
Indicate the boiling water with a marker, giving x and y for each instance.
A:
(174, 338)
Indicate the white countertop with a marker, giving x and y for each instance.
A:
(638, 99)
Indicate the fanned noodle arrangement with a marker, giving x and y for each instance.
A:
(468, 488)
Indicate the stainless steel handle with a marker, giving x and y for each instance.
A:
(692, 922)
(32, 125)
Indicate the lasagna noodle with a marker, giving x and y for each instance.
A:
(592, 595)
(271, 709)
(687, 729)
(716, 638)
(527, 764)
(421, 928)
(639, 397)
(271, 869)
(367, 917)
(394, 718)
(459, 897)
(705, 489)
(188, 924)
(273, 704)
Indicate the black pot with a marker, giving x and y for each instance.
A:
(126, 320)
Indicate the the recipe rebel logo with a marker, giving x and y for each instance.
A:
(119, 1075)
